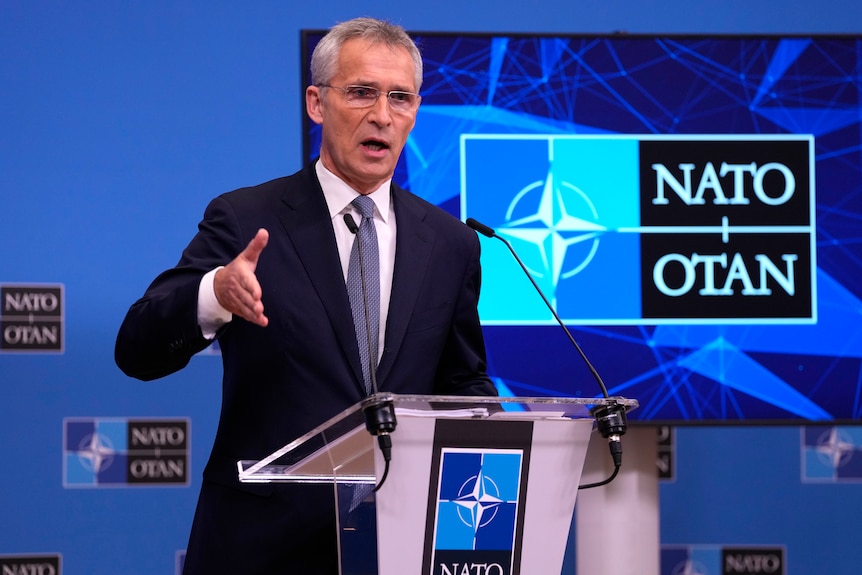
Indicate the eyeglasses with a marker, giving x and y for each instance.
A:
(366, 96)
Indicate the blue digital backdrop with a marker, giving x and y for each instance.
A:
(539, 137)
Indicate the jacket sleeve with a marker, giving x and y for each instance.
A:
(160, 332)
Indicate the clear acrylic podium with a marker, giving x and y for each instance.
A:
(476, 485)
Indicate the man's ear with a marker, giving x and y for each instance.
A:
(314, 104)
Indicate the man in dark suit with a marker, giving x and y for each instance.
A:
(266, 275)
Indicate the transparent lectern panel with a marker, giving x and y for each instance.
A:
(342, 447)
(340, 443)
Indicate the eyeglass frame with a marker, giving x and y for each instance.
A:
(378, 92)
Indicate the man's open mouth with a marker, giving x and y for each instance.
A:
(375, 145)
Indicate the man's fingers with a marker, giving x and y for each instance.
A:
(252, 251)
(251, 309)
(243, 300)
(251, 292)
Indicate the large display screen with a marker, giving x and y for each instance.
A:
(690, 206)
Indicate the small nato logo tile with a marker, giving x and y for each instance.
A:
(94, 452)
(690, 560)
(721, 559)
(120, 452)
(831, 454)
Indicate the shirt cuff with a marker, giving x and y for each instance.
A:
(211, 315)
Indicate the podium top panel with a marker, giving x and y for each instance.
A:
(571, 407)
(343, 441)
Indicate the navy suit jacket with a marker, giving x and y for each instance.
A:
(303, 368)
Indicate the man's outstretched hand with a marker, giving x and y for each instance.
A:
(236, 287)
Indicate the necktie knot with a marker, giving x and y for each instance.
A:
(365, 205)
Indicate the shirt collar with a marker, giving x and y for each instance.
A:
(339, 195)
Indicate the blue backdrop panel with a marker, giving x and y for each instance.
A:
(770, 488)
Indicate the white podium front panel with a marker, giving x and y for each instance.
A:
(413, 509)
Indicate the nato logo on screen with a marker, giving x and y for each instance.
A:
(477, 510)
(118, 452)
(644, 229)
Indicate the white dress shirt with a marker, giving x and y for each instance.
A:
(338, 196)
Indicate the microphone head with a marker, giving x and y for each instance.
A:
(351, 224)
(481, 228)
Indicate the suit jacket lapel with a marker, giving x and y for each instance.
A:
(413, 245)
(306, 221)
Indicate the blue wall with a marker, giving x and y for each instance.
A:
(120, 120)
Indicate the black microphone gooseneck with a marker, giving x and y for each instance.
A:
(379, 416)
(610, 419)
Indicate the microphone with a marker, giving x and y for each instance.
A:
(380, 416)
(610, 419)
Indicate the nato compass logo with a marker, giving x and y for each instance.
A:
(831, 454)
(477, 509)
(690, 560)
(110, 452)
(659, 229)
(559, 221)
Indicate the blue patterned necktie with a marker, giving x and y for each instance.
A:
(366, 331)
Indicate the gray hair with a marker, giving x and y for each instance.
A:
(324, 59)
